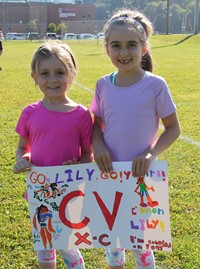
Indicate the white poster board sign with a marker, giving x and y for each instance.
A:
(78, 206)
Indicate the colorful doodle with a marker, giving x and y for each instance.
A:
(85, 208)
(143, 192)
(44, 218)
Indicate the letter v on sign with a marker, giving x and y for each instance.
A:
(110, 218)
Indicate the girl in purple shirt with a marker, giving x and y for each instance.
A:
(127, 107)
(55, 130)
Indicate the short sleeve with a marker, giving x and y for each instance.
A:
(86, 130)
(21, 127)
(95, 105)
(164, 102)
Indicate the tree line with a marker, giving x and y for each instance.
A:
(181, 12)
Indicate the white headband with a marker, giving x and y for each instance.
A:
(136, 24)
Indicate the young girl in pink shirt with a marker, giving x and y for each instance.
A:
(54, 130)
(127, 107)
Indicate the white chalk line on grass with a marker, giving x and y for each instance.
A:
(82, 86)
(184, 138)
(190, 141)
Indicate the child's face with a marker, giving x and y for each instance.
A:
(52, 78)
(125, 49)
(43, 210)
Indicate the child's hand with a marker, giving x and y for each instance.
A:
(141, 165)
(69, 162)
(152, 189)
(102, 158)
(137, 192)
(22, 165)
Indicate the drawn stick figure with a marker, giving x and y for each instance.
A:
(44, 217)
(143, 191)
(55, 190)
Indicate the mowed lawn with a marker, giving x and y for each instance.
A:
(179, 64)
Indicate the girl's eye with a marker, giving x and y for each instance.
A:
(132, 45)
(115, 46)
(61, 72)
(44, 73)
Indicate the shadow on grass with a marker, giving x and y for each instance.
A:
(181, 41)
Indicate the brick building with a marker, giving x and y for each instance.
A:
(16, 16)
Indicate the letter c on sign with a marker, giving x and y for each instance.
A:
(103, 243)
(62, 208)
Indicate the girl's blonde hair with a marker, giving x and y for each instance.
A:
(61, 51)
(140, 24)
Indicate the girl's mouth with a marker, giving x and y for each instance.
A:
(53, 89)
(124, 61)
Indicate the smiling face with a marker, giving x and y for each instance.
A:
(52, 78)
(125, 49)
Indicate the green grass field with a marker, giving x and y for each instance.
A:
(179, 65)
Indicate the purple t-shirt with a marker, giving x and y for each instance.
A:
(55, 137)
(131, 114)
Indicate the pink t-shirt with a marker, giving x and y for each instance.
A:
(55, 137)
(131, 114)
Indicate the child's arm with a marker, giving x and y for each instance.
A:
(169, 135)
(87, 154)
(22, 156)
(86, 157)
(101, 154)
(136, 189)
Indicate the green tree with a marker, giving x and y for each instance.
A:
(61, 28)
(51, 27)
(190, 13)
(156, 12)
(32, 26)
(176, 18)
(181, 12)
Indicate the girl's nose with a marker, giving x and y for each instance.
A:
(52, 78)
(124, 51)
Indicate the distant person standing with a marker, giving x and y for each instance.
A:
(1, 51)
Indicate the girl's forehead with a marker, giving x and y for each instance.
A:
(50, 62)
(123, 34)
